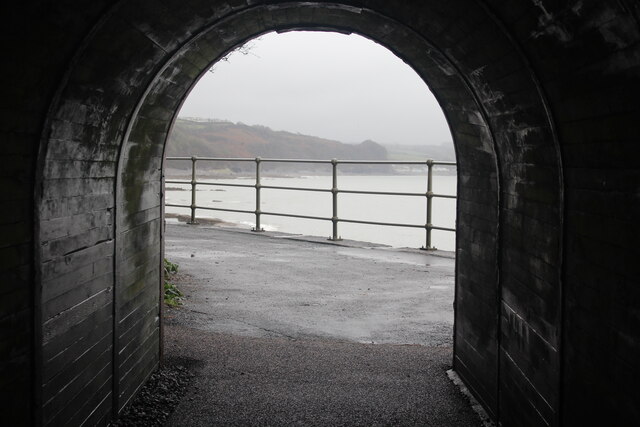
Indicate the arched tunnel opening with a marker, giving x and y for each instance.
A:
(541, 98)
(138, 227)
(314, 95)
(287, 282)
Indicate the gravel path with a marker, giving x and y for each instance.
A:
(159, 397)
(249, 381)
(278, 332)
(212, 379)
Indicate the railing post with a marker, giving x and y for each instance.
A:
(429, 195)
(193, 190)
(334, 193)
(258, 227)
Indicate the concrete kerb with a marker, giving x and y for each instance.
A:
(348, 243)
(475, 405)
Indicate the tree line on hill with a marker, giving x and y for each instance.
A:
(223, 139)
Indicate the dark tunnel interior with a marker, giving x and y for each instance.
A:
(542, 101)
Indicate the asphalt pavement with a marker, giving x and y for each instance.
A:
(295, 330)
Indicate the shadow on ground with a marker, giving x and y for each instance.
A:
(278, 381)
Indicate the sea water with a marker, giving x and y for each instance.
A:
(380, 208)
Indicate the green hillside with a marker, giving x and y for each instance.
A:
(226, 139)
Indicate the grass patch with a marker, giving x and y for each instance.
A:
(172, 295)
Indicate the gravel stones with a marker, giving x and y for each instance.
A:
(159, 396)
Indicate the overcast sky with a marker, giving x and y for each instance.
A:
(330, 85)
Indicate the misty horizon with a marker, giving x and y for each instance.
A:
(240, 123)
(339, 87)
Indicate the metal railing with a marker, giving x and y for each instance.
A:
(429, 195)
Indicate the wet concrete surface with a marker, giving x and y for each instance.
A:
(280, 285)
(282, 329)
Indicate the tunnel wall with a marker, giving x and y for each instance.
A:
(478, 191)
(587, 55)
(38, 42)
(541, 97)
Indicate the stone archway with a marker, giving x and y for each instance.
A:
(99, 203)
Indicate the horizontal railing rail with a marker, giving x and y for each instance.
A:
(334, 190)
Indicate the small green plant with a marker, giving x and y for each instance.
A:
(170, 267)
(172, 295)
